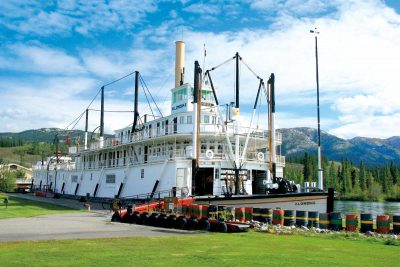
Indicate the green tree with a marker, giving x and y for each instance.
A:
(363, 177)
(394, 171)
(7, 180)
(386, 179)
(356, 183)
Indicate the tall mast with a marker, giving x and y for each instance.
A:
(86, 128)
(272, 143)
(236, 125)
(102, 118)
(196, 113)
(320, 171)
(136, 112)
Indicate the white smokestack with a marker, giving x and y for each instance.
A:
(179, 63)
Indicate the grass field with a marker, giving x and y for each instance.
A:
(18, 207)
(249, 249)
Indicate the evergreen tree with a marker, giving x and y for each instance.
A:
(307, 167)
(394, 171)
(356, 182)
(363, 177)
(347, 178)
(333, 176)
(386, 179)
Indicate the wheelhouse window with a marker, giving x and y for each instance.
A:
(110, 179)
(189, 119)
(74, 178)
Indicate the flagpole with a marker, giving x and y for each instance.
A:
(320, 171)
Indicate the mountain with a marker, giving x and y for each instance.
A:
(372, 151)
(45, 135)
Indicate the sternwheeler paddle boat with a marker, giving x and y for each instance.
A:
(203, 151)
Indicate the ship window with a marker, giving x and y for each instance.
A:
(213, 119)
(181, 120)
(189, 119)
(142, 173)
(206, 119)
(74, 178)
(110, 179)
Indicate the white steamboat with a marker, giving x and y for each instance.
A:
(194, 152)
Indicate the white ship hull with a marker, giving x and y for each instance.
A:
(296, 201)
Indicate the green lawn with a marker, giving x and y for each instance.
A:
(249, 249)
(18, 207)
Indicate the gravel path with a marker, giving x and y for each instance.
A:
(76, 225)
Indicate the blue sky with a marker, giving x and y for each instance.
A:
(55, 55)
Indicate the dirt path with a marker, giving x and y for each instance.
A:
(77, 225)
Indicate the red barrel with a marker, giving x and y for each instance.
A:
(351, 222)
(382, 224)
(186, 210)
(277, 217)
(240, 214)
(248, 214)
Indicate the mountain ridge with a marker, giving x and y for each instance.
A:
(372, 151)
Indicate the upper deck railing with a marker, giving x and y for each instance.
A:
(173, 130)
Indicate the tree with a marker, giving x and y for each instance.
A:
(7, 180)
(386, 180)
(307, 167)
(394, 171)
(356, 182)
(333, 176)
(363, 177)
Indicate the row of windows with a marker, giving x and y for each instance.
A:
(110, 178)
(163, 125)
(182, 94)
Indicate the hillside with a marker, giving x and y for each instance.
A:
(45, 135)
(297, 141)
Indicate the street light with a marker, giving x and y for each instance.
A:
(320, 171)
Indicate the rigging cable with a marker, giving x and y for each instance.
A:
(148, 102)
(141, 78)
(226, 61)
(91, 102)
(121, 111)
(250, 69)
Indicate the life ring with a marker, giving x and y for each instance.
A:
(260, 156)
(209, 154)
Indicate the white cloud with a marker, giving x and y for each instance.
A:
(203, 9)
(65, 17)
(37, 58)
(379, 126)
(358, 58)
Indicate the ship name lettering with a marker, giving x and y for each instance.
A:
(302, 203)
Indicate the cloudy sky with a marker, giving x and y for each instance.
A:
(55, 55)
